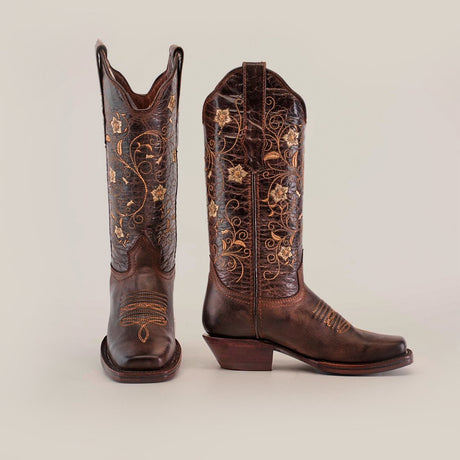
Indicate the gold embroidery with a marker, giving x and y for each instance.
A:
(229, 239)
(172, 103)
(285, 253)
(120, 147)
(142, 308)
(107, 138)
(116, 125)
(279, 190)
(324, 313)
(234, 251)
(135, 167)
(237, 174)
(159, 193)
(291, 138)
(283, 201)
(119, 232)
(212, 209)
(112, 175)
(222, 117)
(279, 193)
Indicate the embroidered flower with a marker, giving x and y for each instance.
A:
(222, 117)
(116, 125)
(159, 193)
(291, 138)
(119, 232)
(285, 253)
(212, 209)
(112, 175)
(279, 193)
(237, 174)
(172, 103)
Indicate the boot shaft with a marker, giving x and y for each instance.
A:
(254, 139)
(141, 147)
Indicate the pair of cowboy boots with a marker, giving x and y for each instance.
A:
(256, 300)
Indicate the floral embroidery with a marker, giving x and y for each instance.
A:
(279, 193)
(112, 175)
(116, 125)
(237, 174)
(285, 253)
(234, 251)
(283, 174)
(159, 193)
(212, 209)
(144, 163)
(119, 232)
(291, 138)
(222, 117)
(229, 236)
(172, 103)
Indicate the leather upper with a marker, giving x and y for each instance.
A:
(254, 128)
(141, 147)
(254, 148)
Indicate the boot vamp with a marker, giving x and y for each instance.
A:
(312, 328)
(141, 325)
(128, 352)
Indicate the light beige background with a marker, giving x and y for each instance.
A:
(381, 84)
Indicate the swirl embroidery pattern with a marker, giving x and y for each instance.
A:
(283, 192)
(142, 181)
(226, 183)
(267, 189)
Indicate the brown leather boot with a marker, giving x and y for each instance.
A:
(141, 145)
(256, 300)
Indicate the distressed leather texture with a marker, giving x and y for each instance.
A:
(141, 145)
(260, 138)
(254, 155)
(141, 149)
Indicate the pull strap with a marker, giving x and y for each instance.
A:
(177, 52)
(254, 92)
(101, 53)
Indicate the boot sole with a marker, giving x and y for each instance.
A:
(167, 372)
(257, 355)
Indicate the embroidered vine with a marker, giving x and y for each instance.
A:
(282, 172)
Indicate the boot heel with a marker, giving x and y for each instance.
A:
(241, 354)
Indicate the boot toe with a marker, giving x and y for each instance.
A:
(130, 357)
(144, 362)
(399, 346)
(379, 347)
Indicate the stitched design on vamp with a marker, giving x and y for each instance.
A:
(143, 308)
(324, 313)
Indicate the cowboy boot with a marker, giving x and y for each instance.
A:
(141, 147)
(256, 300)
